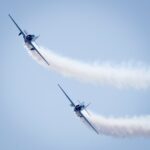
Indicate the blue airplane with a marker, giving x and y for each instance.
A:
(78, 110)
(29, 40)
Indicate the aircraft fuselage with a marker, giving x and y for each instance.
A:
(30, 45)
(29, 40)
(78, 109)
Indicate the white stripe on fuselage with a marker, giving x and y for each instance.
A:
(29, 46)
(78, 113)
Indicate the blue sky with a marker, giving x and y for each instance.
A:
(34, 114)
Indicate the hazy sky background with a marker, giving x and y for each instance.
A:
(34, 114)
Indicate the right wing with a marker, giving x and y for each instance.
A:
(34, 48)
(72, 103)
(89, 123)
(21, 32)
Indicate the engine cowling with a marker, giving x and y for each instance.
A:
(30, 37)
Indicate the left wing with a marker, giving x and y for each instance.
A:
(72, 103)
(34, 48)
(20, 31)
(89, 123)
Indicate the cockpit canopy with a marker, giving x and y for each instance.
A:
(30, 37)
(78, 107)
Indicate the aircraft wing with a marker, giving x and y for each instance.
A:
(35, 49)
(89, 123)
(21, 32)
(72, 103)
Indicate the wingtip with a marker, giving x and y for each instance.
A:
(9, 15)
(59, 85)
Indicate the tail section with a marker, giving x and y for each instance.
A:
(36, 37)
(86, 109)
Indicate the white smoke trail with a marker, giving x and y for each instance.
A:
(104, 74)
(121, 127)
(119, 76)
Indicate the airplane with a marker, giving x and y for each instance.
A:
(78, 109)
(29, 40)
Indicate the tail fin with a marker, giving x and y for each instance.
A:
(86, 109)
(88, 105)
(36, 37)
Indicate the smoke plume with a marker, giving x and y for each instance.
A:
(121, 127)
(104, 74)
(118, 76)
